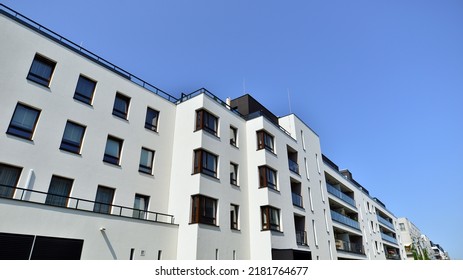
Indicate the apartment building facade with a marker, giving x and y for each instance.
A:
(96, 163)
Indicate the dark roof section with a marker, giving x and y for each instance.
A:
(246, 105)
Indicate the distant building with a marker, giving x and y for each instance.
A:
(417, 245)
(96, 163)
(439, 252)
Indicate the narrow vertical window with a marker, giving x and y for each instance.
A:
(234, 215)
(146, 161)
(206, 121)
(23, 122)
(41, 70)
(205, 163)
(140, 206)
(234, 174)
(151, 120)
(84, 90)
(267, 177)
(121, 106)
(233, 136)
(103, 200)
(113, 150)
(265, 141)
(72, 137)
(270, 218)
(9, 177)
(59, 191)
(315, 233)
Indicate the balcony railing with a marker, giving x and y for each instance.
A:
(385, 222)
(345, 246)
(301, 237)
(293, 166)
(74, 203)
(297, 200)
(338, 217)
(388, 238)
(337, 193)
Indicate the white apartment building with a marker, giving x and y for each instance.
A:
(417, 245)
(96, 163)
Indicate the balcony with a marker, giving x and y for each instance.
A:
(301, 237)
(338, 217)
(337, 193)
(356, 248)
(385, 222)
(297, 200)
(80, 204)
(388, 238)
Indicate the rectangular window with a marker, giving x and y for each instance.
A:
(205, 163)
(146, 161)
(121, 106)
(103, 200)
(233, 136)
(72, 137)
(265, 141)
(270, 218)
(23, 122)
(234, 215)
(234, 174)
(84, 90)
(267, 177)
(151, 120)
(402, 226)
(113, 150)
(41, 70)
(206, 121)
(9, 177)
(203, 210)
(59, 191)
(140, 206)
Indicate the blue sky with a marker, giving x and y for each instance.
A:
(381, 82)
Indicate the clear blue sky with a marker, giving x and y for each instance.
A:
(381, 82)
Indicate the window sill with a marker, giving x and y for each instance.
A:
(71, 152)
(42, 85)
(210, 133)
(111, 164)
(204, 224)
(271, 230)
(145, 173)
(270, 188)
(208, 176)
(121, 118)
(90, 105)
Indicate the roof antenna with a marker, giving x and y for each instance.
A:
(289, 102)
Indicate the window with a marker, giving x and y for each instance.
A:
(121, 106)
(41, 70)
(84, 90)
(58, 192)
(234, 174)
(140, 206)
(270, 218)
(24, 121)
(72, 138)
(203, 210)
(113, 149)
(151, 120)
(103, 200)
(315, 233)
(267, 177)
(206, 121)
(146, 161)
(233, 136)
(265, 141)
(9, 177)
(205, 163)
(234, 215)
(402, 226)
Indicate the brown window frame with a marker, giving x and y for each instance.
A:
(266, 214)
(264, 173)
(202, 121)
(199, 211)
(262, 141)
(201, 160)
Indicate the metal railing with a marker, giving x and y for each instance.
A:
(82, 51)
(345, 246)
(297, 199)
(301, 237)
(338, 217)
(388, 238)
(293, 166)
(344, 197)
(55, 200)
(204, 91)
(385, 222)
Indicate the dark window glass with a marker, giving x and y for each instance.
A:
(206, 121)
(151, 121)
(203, 210)
(84, 90)
(146, 161)
(23, 122)
(113, 150)
(270, 218)
(234, 216)
(72, 137)
(205, 163)
(9, 176)
(265, 141)
(140, 206)
(103, 200)
(267, 177)
(233, 136)
(121, 106)
(233, 173)
(41, 70)
(58, 192)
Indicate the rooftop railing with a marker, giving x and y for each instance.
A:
(55, 200)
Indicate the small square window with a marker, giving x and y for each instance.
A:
(206, 121)
(113, 150)
(84, 90)
(41, 70)
(121, 106)
(72, 138)
(58, 192)
(205, 163)
(146, 161)
(151, 120)
(23, 122)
